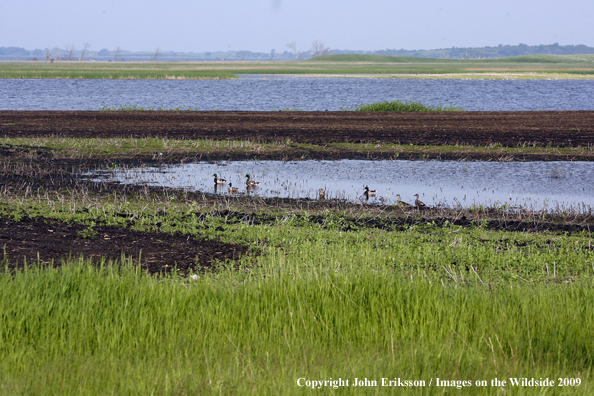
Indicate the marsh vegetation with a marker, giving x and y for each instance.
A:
(527, 67)
(337, 288)
(290, 287)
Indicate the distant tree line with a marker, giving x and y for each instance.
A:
(500, 51)
(17, 51)
(70, 53)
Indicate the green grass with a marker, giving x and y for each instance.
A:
(319, 302)
(588, 59)
(534, 66)
(84, 331)
(109, 70)
(126, 148)
(403, 106)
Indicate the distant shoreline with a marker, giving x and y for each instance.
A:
(333, 66)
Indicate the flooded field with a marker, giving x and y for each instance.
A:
(529, 185)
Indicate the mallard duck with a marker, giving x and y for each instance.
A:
(250, 183)
(369, 193)
(232, 190)
(419, 204)
(218, 180)
(401, 203)
(321, 194)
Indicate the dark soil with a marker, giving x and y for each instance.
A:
(405, 218)
(510, 129)
(52, 241)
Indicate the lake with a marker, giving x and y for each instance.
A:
(270, 93)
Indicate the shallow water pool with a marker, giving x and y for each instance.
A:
(530, 185)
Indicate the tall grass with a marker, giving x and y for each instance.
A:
(401, 106)
(319, 302)
(79, 330)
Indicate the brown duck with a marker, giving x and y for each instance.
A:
(419, 204)
(401, 203)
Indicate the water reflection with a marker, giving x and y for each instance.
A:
(531, 185)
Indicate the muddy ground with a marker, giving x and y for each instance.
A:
(50, 242)
(510, 129)
(32, 169)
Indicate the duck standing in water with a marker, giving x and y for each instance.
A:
(419, 204)
(218, 180)
(369, 193)
(250, 183)
(401, 203)
(232, 190)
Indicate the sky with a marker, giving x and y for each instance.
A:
(263, 25)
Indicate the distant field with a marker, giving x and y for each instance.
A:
(522, 67)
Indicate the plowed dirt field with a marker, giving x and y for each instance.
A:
(510, 129)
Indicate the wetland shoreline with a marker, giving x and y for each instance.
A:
(81, 300)
(44, 154)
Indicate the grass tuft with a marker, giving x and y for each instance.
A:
(399, 105)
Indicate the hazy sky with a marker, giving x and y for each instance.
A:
(262, 25)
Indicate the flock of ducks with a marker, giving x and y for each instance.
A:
(399, 202)
(233, 190)
(321, 193)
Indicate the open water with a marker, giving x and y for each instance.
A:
(530, 185)
(270, 93)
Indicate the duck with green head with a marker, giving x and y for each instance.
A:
(250, 183)
(369, 193)
(218, 180)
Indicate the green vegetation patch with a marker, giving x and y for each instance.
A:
(529, 67)
(131, 148)
(322, 301)
(110, 70)
(403, 106)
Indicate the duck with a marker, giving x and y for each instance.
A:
(401, 203)
(369, 193)
(218, 180)
(232, 190)
(419, 204)
(321, 194)
(250, 183)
